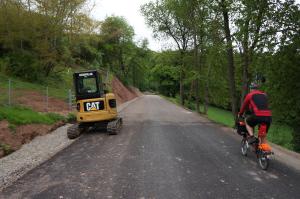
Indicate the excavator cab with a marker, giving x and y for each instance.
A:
(87, 85)
(95, 108)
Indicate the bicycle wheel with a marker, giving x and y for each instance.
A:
(263, 161)
(244, 147)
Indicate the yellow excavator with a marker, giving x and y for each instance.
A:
(96, 108)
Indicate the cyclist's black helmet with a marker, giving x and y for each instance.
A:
(253, 85)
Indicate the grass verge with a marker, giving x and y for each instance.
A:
(215, 114)
(20, 116)
(278, 134)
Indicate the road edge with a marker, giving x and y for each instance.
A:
(283, 155)
(123, 106)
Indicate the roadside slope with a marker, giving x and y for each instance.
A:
(123, 93)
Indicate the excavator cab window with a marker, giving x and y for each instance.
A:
(87, 85)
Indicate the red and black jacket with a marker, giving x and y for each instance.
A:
(257, 103)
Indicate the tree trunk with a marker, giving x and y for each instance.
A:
(29, 5)
(48, 68)
(181, 79)
(245, 60)
(197, 96)
(296, 136)
(192, 90)
(121, 62)
(134, 76)
(181, 86)
(245, 87)
(206, 98)
(196, 58)
(206, 91)
(231, 68)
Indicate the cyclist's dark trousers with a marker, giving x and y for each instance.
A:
(253, 120)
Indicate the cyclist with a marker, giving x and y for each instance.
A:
(256, 104)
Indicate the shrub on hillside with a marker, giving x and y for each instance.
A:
(24, 65)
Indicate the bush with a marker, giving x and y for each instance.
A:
(71, 118)
(6, 148)
(190, 105)
(55, 117)
(282, 135)
(25, 65)
(4, 63)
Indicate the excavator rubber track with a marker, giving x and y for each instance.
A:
(73, 131)
(114, 126)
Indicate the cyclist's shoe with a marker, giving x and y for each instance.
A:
(264, 147)
(252, 140)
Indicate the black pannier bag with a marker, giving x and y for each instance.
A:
(241, 127)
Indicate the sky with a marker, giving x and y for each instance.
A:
(130, 10)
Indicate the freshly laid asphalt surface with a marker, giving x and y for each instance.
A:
(163, 151)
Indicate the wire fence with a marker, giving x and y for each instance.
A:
(37, 97)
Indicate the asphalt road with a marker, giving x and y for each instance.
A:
(163, 151)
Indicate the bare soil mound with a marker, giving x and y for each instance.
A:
(38, 102)
(123, 94)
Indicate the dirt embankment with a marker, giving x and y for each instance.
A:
(123, 93)
(37, 102)
(12, 140)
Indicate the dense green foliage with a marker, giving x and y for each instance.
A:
(43, 40)
(229, 44)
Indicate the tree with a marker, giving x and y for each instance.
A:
(231, 68)
(254, 30)
(196, 17)
(164, 16)
(284, 87)
(117, 42)
(165, 73)
(40, 33)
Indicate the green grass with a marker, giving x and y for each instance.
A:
(20, 116)
(71, 118)
(278, 134)
(215, 114)
(282, 135)
(58, 89)
(220, 116)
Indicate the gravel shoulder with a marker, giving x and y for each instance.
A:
(39, 150)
